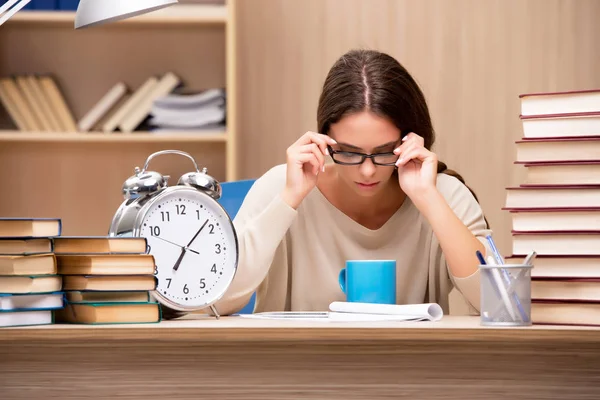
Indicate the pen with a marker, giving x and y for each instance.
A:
(500, 261)
(501, 289)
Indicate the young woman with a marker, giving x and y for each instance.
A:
(385, 196)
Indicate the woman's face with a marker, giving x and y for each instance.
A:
(365, 132)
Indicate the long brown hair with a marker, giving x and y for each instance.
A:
(370, 80)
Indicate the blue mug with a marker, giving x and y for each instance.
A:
(369, 281)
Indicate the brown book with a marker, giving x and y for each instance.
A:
(55, 98)
(556, 243)
(34, 101)
(555, 219)
(557, 149)
(13, 109)
(561, 266)
(552, 196)
(108, 313)
(30, 284)
(14, 95)
(25, 246)
(30, 227)
(581, 173)
(109, 282)
(99, 245)
(106, 264)
(553, 312)
(569, 289)
(78, 296)
(41, 264)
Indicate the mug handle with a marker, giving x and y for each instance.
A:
(342, 279)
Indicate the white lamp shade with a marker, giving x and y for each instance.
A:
(95, 12)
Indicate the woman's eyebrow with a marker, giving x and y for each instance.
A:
(350, 146)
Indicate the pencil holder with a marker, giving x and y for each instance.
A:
(505, 295)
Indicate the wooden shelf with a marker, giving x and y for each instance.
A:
(177, 14)
(74, 137)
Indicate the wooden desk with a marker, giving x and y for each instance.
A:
(236, 358)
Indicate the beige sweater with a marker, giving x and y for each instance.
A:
(293, 257)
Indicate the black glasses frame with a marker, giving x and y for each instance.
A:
(363, 156)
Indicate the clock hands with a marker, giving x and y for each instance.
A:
(176, 266)
(184, 248)
(197, 233)
(175, 244)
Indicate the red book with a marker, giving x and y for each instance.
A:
(552, 196)
(556, 242)
(561, 102)
(544, 149)
(555, 219)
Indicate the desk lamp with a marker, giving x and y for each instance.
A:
(96, 12)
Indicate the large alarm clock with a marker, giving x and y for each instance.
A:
(190, 235)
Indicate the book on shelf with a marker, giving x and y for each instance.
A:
(35, 103)
(161, 103)
(186, 111)
(109, 101)
(30, 286)
(555, 211)
(52, 5)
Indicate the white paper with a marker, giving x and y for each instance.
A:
(356, 312)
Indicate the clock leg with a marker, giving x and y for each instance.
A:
(214, 310)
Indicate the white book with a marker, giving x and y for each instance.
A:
(25, 318)
(10, 302)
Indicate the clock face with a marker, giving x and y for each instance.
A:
(194, 246)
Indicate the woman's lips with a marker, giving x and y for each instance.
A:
(370, 185)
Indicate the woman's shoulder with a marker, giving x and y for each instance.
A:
(274, 177)
(269, 184)
(452, 188)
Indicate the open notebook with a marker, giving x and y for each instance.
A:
(349, 312)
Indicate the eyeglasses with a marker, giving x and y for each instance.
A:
(353, 158)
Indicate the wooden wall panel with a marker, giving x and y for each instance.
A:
(472, 58)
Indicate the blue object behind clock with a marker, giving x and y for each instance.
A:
(232, 197)
(70, 5)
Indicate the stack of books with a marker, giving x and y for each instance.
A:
(556, 211)
(189, 110)
(107, 280)
(30, 288)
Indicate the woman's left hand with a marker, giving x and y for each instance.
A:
(417, 166)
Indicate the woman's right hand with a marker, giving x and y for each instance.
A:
(305, 159)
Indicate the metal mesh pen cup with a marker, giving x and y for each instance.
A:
(505, 295)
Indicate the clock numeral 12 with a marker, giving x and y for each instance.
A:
(180, 209)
